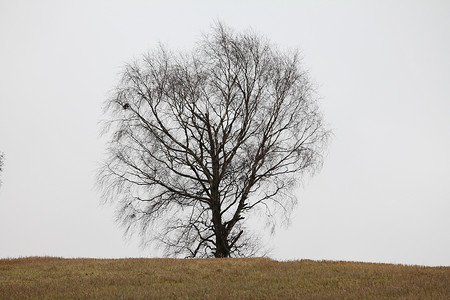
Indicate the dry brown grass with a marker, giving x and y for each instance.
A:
(251, 278)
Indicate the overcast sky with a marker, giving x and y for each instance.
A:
(382, 69)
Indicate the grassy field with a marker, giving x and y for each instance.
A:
(249, 278)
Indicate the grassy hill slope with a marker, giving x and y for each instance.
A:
(249, 278)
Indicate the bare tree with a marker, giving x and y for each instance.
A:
(2, 157)
(201, 141)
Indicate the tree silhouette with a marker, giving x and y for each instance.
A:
(2, 157)
(201, 141)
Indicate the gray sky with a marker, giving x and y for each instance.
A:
(382, 69)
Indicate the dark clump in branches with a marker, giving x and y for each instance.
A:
(202, 140)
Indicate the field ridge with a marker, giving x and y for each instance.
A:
(230, 278)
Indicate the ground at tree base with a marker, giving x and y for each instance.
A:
(229, 278)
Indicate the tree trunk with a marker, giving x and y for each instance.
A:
(222, 247)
